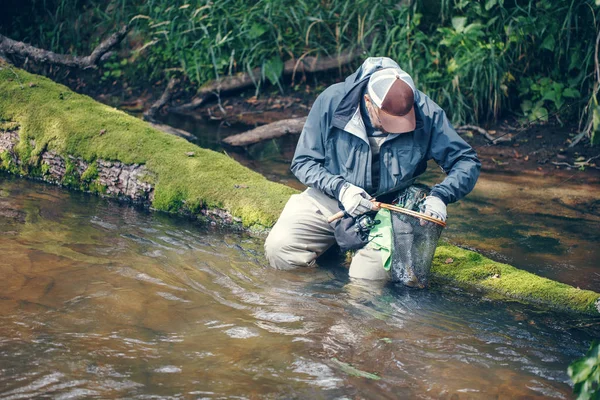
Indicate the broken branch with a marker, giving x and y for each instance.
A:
(10, 46)
(579, 164)
(483, 132)
(164, 99)
(270, 131)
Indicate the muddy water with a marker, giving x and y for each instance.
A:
(100, 300)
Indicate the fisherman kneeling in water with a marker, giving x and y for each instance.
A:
(368, 137)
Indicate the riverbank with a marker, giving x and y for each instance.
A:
(541, 147)
(51, 133)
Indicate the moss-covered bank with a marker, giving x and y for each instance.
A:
(472, 271)
(51, 117)
(88, 138)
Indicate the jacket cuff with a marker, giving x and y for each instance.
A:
(338, 188)
(439, 196)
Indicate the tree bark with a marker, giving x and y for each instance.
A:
(270, 131)
(243, 80)
(9, 46)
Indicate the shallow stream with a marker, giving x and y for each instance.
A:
(101, 300)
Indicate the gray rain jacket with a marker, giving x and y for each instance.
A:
(333, 146)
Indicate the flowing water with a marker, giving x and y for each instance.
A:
(100, 300)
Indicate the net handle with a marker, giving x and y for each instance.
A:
(377, 205)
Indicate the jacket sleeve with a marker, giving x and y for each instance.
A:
(309, 158)
(456, 157)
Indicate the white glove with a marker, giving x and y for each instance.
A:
(355, 200)
(435, 207)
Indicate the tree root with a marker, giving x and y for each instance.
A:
(269, 131)
(244, 80)
(9, 46)
(580, 164)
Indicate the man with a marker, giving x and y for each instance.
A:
(368, 137)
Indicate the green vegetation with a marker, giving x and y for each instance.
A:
(473, 271)
(478, 60)
(585, 374)
(71, 124)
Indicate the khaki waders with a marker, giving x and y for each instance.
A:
(302, 234)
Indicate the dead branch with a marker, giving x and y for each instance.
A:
(244, 80)
(164, 99)
(9, 46)
(579, 164)
(483, 132)
(269, 131)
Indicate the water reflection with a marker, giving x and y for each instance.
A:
(102, 300)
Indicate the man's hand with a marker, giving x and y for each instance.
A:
(355, 200)
(435, 207)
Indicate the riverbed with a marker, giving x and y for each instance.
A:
(102, 300)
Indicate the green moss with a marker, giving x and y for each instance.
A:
(470, 270)
(7, 164)
(71, 179)
(90, 173)
(70, 124)
(45, 168)
(23, 149)
(8, 125)
(96, 187)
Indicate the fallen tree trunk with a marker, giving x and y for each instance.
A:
(265, 132)
(9, 46)
(244, 80)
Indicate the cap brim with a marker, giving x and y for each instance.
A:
(395, 124)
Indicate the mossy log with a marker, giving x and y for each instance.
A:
(184, 177)
(49, 132)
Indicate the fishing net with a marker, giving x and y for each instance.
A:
(414, 240)
(413, 248)
(407, 242)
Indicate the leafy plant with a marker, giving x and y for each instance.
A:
(585, 374)
(543, 94)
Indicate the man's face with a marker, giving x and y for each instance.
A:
(374, 114)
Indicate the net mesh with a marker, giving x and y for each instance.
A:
(413, 244)
(413, 249)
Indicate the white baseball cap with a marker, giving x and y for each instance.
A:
(393, 91)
